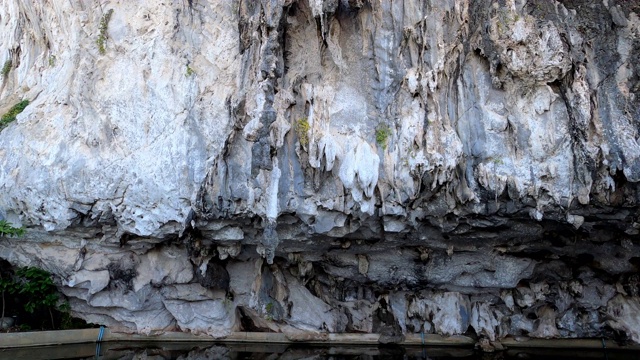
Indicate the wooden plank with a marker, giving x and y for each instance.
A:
(46, 338)
(565, 344)
(49, 338)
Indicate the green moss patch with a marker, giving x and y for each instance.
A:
(6, 68)
(382, 135)
(13, 112)
(102, 37)
(302, 128)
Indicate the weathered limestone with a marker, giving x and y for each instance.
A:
(329, 166)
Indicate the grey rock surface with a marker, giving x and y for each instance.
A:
(328, 166)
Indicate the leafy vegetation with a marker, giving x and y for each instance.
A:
(34, 292)
(382, 135)
(102, 36)
(189, 71)
(6, 68)
(52, 60)
(11, 115)
(39, 288)
(7, 229)
(302, 129)
(269, 311)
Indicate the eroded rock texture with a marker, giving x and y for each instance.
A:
(436, 166)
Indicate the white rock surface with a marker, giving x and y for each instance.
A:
(432, 151)
(485, 320)
(625, 315)
(122, 134)
(163, 267)
(449, 312)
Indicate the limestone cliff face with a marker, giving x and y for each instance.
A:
(353, 165)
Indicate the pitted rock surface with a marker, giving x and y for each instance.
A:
(329, 166)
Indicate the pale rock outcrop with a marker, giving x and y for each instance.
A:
(448, 312)
(486, 321)
(97, 280)
(328, 166)
(623, 312)
(213, 317)
(163, 266)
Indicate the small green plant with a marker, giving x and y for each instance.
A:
(7, 229)
(6, 68)
(382, 135)
(189, 71)
(269, 311)
(52, 60)
(302, 128)
(37, 285)
(13, 112)
(67, 320)
(102, 36)
(36, 292)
